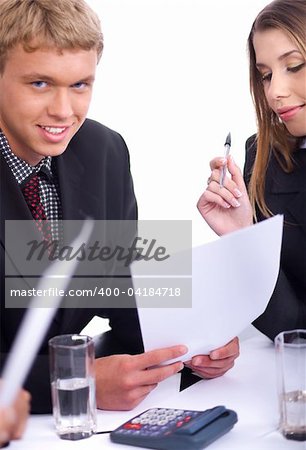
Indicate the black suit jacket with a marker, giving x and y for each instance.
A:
(285, 193)
(94, 180)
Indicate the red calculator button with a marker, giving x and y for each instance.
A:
(132, 426)
(179, 424)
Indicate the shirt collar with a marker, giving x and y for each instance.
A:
(21, 169)
(303, 143)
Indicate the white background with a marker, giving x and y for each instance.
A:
(173, 80)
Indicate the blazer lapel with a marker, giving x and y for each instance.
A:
(14, 207)
(77, 203)
(289, 189)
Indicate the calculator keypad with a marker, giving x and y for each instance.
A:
(157, 422)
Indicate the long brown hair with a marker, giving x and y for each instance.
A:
(290, 17)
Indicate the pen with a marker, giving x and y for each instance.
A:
(227, 146)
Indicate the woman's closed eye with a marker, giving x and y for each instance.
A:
(291, 69)
(296, 68)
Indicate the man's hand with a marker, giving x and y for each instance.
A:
(217, 362)
(13, 419)
(123, 381)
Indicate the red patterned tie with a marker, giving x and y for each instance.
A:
(32, 197)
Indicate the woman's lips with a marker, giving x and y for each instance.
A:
(286, 113)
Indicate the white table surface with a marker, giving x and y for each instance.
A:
(249, 388)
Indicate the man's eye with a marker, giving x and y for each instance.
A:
(39, 84)
(80, 85)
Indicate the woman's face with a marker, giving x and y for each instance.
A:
(283, 70)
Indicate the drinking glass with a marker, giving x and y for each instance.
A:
(73, 385)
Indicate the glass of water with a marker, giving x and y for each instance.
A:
(73, 385)
(291, 371)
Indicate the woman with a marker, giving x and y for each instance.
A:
(275, 166)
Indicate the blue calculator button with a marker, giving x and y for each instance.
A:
(172, 423)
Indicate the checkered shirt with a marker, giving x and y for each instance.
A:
(48, 185)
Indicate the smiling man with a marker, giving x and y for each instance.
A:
(49, 50)
(45, 95)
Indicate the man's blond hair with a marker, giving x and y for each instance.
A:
(59, 24)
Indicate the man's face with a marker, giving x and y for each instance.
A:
(44, 99)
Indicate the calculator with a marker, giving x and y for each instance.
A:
(175, 429)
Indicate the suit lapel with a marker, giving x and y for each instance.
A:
(14, 207)
(288, 190)
(77, 203)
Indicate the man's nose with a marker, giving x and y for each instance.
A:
(60, 106)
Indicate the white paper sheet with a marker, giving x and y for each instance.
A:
(233, 279)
